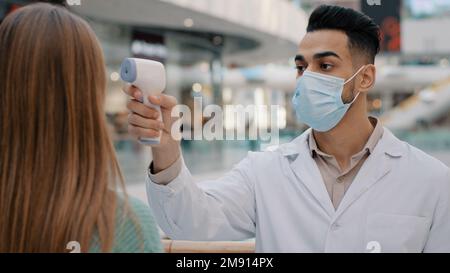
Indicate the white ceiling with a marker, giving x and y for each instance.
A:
(169, 15)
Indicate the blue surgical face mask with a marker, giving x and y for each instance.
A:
(318, 100)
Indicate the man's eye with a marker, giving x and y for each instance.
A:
(300, 68)
(326, 67)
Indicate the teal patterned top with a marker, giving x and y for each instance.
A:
(136, 233)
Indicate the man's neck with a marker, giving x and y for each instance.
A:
(349, 136)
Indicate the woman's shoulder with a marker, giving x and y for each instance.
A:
(136, 227)
(135, 230)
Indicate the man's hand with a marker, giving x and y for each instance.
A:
(144, 123)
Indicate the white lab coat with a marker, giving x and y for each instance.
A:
(398, 202)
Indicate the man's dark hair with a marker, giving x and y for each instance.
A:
(362, 32)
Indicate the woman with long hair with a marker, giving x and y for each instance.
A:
(59, 175)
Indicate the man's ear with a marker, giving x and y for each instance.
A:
(366, 79)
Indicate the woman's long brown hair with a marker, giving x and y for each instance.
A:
(57, 162)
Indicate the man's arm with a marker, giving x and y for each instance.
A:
(439, 237)
(216, 210)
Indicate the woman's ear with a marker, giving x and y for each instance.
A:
(367, 78)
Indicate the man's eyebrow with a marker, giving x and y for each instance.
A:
(326, 54)
(299, 58)
(319, 55)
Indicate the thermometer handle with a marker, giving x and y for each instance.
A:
(154, 140)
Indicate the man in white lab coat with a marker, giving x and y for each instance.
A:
(346, 185)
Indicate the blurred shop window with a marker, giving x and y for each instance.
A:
(388, 17)
(8, 6)
(399, 97)
(420, 9)
(149, 45)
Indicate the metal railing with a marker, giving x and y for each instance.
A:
(171, 246)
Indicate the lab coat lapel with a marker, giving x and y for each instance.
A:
(307, 172)
(377, 165)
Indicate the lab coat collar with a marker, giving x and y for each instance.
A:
(390, 144)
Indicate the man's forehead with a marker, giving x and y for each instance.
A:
(324, 41)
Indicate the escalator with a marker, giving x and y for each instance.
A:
(420, 109)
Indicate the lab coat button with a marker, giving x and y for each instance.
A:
(335, 226)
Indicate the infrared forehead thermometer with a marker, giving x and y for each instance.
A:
(150, 77)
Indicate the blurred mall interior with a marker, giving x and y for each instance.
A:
(242, 52)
